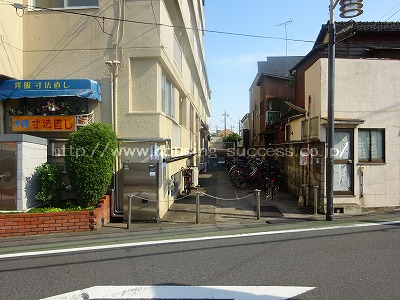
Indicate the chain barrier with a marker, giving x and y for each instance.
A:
(202, 193)
(142, 198)
(256, 193)
(181, 198)
(228, 199)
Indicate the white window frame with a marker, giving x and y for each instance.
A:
(37, 6)
(168, 96)
(177, 53)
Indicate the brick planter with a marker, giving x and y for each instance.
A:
(59, 222)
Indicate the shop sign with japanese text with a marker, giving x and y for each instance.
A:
(43, 123)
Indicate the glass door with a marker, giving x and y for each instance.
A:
(343, 162)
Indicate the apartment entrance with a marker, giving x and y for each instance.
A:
(8, 178)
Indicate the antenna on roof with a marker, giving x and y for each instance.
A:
(285, 24)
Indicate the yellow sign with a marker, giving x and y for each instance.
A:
(43, 123)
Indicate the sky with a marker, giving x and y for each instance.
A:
(231, 59)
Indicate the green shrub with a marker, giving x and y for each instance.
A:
(57, 209)
(89, 162)
(45, 209)
(48, 180)
(233, 137)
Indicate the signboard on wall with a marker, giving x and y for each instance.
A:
(43, 123)
(17, 89)
(303, 159)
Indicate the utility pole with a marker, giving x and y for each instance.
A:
(225, 115)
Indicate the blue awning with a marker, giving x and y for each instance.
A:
(16, 89)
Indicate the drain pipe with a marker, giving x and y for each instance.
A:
(2, 119)
(114, 64)
(115, 199)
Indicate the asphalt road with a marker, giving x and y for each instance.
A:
(339, 263)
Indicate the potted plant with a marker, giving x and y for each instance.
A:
(50, 107)
(15, 111)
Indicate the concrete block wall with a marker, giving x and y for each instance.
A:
(311, 174)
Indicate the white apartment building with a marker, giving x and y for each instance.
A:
(138, 65)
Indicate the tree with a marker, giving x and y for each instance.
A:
(89, 162)
(233, 137)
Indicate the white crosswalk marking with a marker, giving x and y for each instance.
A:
(185, 292)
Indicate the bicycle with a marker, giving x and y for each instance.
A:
(274, 175)
(187, 182)
(247, 166)
(263, 174)
(270, 187)
(231, 162)
(249, 172)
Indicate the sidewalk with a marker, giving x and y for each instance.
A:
(222, 202)
(222, 205)
(223, 208)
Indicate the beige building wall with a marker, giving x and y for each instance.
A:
(313, 91)
(11, 48)
(367, 90)
(11, 42)
(143, 51)
(128, 58)
(254, 112)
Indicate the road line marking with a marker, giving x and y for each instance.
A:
(182, 240)
(185, 292)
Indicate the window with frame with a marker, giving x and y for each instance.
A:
(191, 118)
(192, 87)
(39, 4)
(177, 53)
(168, 96)
(371, 145)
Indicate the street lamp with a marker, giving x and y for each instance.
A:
(349, 9)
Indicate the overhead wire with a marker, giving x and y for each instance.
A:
(391, 11)
(160, 24)
(392, 15)
(103, 18)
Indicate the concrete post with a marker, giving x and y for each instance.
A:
(316, 199)
(258, 203)
(129, 211)
(197, 207)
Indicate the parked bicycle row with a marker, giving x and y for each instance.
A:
(252, 170)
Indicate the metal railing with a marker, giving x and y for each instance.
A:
(82, 120)
(272, 117)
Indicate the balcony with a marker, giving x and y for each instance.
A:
(272, 117)
(85, 119)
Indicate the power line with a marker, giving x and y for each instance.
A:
(161, 24)
(254, 36)
(391, 11)
(392, 15)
